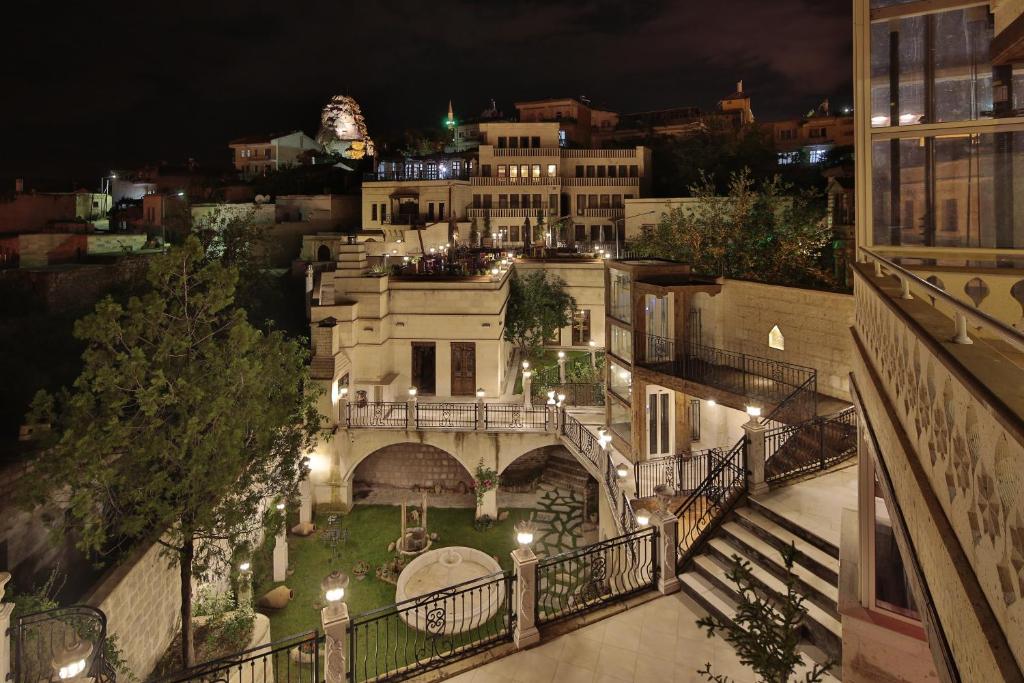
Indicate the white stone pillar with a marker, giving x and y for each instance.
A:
(281, 555)
(561, 367)
(343, 409)
(525, 633)
(410, 412)
(668, 537)
(488, 505)
(755, 453)
(527, 388)
(335, 620)
(480, 408)
(305, 502)
(6, 608)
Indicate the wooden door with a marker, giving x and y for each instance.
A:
(424, 367)
(463, 368)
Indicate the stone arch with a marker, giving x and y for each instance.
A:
(323, 253)
(411, 466)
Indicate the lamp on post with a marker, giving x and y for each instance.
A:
(524, 561)
(411, 418)
(593, 353)
(245, 584)
(334, 619)
(561, 367)
(71, 660)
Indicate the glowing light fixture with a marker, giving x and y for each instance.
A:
(334, 587)
(412, 392)
(754, 411)
(524, 533)
(643, 518)
(479, 393)
(70, 661)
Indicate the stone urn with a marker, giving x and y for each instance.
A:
(663, 493)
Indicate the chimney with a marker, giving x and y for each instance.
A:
(739, 86)
(19, 185)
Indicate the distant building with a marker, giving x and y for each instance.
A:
(576, 118)
(808, 139)
(25, 212)
(262, 154)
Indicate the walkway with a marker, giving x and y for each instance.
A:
(657, 641)
(817, 504)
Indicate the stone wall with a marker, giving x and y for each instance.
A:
(815, 326)
(410, 465)
(142, 599)
(68, 288)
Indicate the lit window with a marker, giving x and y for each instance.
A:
(552, 170)
(786, 158)
(816, 156)
(776, 340)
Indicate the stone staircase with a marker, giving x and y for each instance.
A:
(757, 534)
(563, 471)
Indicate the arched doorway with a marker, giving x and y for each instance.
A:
(323, 253)
(388, 476)
(561, 496)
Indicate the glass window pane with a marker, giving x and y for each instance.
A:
(892, 590)
(619, 380)
(622, 343)
(619, 296)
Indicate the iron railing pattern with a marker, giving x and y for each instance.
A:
(295, 659)
(763, 379)
(515, 417)
(587, 578)
(582, 439)
(794, 450)
(684, 472)
(409, 638)
(38, 636)
(383, 415)
(705, 506)
(446, 415)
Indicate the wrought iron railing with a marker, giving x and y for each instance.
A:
(515, 417)
(587, 578)
(814, 445)
(582, 439)
(683, 473)
(39, 637)
(446, 415)
(382, 415)
(424, 633)
(295, 659)
(764, 379)
(705, 506)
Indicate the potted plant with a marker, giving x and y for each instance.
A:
(360, 569)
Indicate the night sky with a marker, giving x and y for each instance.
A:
(92, 86)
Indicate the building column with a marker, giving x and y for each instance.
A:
(527, 388)
(525, 633)
(755, 451)
(305, 502)
(668, 535)
(6, 609)
(335, 621)
(488, 504)
(281, 555)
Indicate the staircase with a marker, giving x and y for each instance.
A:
(563, 471)
(757, 534)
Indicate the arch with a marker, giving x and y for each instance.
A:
(412, 465)
(323, 253)
(776, 340)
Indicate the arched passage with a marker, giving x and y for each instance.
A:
(323, 253)
(392, 471)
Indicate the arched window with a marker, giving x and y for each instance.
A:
(776, 340)
(323, 253)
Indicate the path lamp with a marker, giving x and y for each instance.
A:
(335, 621)
(524, 534)
(622, 470)
(334, 586)
(70, 660)
(754, 412)
(526, 365)
(643, 517)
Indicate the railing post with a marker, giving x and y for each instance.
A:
(525, 563)
(666, 539)
(754, 448)
(961, 336)
(821, 443)
(411, 418)
(6, 608)
(335, 622)
(481, 407)
(527, 389)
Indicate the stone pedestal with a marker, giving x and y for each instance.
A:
(668, 539)
(527, 389)
(489, 505)
(281, 556)
(305, 502)
(6, 609)
(525, 633)
(335, 620)
(755, 452)
(561, 370)
(480, 408)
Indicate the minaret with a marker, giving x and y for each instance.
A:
(451, 116)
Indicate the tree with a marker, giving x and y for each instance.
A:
(487, 225)
(771, 233)
(474, 232)
(538, 306)
(766, 629)
(183, 423)
(539, 231)
(527, 232)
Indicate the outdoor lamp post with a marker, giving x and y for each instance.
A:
(244, 584)
(622, 470)
(754, 412)
(524, 534)
(561, 367)
(71, 660)
(643, 518)
(481, 421)
(334, 619)
(593, 353)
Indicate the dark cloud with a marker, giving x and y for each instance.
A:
(93, 86)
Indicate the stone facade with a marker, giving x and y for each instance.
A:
(814, 325)
(409, 465)
(142, 600)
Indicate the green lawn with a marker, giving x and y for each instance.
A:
(371, 529)
(545, 366)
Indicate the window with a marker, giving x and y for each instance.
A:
(634, 171)
(266, 153)
(487, 201)
(616, 201)
(620, 380)
(621, 420)
(526, 201)
(485, 170)
(611, 171)
(430, 211)
(553, 170)
(535, 141)
(786, 158)
(513, 233)
(816, 156)
(431, 170)
(595, 233)
(440, 211)
(592, 201)
(562, 139)
(786, 134)
(524, 141)
(591, 172)
(535, 171)
(817, 133)
(536, 201)
(552, 201)
(513, 201)
(502, 201)
(383, 212)
(619, 296)
(606, 201)
(476, 201)
(513, 171)
(579, 170)
(623, 170)
(524, 171)
(600, 171)
(622, 343)
(503, 170)
(581, 233)
(581, 327)
(502, 142)
(373, 212)
(776, 340)
(581, 204)
(513, 142)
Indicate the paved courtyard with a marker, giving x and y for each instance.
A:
(657, 641)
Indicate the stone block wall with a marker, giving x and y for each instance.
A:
(142, 599)
(410, 465)
(815, 326)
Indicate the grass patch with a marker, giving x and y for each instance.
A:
(545, 366)
(371, 528)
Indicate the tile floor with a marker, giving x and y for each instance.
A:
(817, 504)
(657, 641)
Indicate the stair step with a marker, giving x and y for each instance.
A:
(822, 593)
(810, 556)
(765, 507)
(822, 623)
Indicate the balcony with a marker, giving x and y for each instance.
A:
(588, 182)
(526, 151)
(509, 213)
(488, 180)
(599, 153)
(604, 212)
(383, 176)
